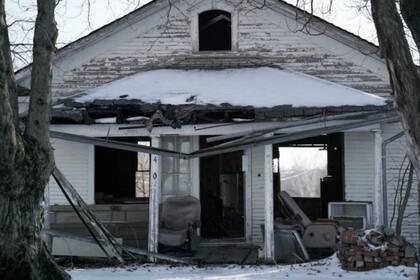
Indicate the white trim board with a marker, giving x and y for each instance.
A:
(112, 130)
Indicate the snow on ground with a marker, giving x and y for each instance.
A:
(327, 269)
(241, 87)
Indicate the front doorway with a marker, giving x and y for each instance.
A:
(222, 195)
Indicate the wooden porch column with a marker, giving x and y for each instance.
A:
(268, 207)
(247, 168)
(377, 191)
(154, 199)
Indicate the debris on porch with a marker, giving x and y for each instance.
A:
(211, 254)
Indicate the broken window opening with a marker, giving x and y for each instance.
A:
(143, 172)
(311, 171)
(122, 176)
(301, 170)
(215, 31)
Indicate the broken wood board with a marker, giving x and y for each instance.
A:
(130, 249)
(106, 241)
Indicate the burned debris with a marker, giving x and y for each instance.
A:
(124, 111)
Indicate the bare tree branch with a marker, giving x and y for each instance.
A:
(404, 201)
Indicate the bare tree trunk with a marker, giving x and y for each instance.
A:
(26, 161)
(403, 73)
(410, 10)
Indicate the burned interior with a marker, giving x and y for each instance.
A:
(301, 227)
(122, 176)
(222, 195)
(313, 175)
(308, 175)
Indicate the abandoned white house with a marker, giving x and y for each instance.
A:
(249, 105)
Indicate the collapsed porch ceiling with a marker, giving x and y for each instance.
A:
(249, 139)
(174, 97)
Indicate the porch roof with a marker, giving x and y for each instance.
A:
(259, 87)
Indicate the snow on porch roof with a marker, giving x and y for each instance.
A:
(257, 87)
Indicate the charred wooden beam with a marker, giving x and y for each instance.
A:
(175, 115)
(72, 116)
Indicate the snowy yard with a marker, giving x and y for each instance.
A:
(327, 269)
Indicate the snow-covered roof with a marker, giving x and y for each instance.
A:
(257, 87)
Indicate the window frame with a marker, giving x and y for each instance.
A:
(144, 170)
(129, 139)
(203, 30)
(195, 33)
(175, 163)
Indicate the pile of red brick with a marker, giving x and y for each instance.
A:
(372, 249)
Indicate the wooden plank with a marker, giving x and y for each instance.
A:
(106, 242)
(125, 248)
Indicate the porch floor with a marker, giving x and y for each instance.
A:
(224, 254)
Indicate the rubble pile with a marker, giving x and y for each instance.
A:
(374, 248)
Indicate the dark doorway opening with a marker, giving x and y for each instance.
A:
(215, 31)
(121, 176)
(221, 195)
(311, 184)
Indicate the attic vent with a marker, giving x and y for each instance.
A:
(215, 31)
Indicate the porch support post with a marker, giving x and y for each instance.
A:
(195, 168)
(247, 168)
(378, 202)
(268, 207)
(154, 199)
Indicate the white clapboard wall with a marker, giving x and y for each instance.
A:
(76, 162)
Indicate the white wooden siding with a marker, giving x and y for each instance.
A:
(155, 41)
(76, 161)
(359, 174)
(395, 155)
(257, 193)
(359, 166)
